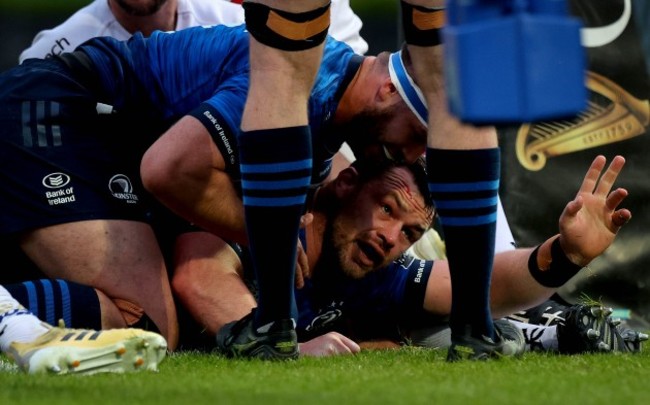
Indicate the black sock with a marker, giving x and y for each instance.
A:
(464, 185)
(276, 173)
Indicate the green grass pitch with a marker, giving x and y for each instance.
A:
(405, 376)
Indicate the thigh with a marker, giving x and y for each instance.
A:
(119, 257)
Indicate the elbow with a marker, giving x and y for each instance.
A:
(156, 173)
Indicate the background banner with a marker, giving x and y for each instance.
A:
(544, 162)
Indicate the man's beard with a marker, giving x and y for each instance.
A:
(330, 257)
(141, 10)
(337, 256)
(328, 274)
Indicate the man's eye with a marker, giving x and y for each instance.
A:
(386, 209)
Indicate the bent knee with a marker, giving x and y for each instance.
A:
(183, 284)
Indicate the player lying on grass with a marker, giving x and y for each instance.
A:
(372, 307)
(101, 232)
(361, 286)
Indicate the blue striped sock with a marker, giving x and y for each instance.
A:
(276, 168)
(464, 185)
(51, 300)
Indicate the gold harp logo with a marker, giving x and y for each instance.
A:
(612, 115)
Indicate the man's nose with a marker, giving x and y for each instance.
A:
(390, 234)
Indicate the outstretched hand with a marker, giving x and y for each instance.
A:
(589, 223)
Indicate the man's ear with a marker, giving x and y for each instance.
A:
(387, 90)
(346, 181)
(388, 95)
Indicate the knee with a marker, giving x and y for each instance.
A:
(184, 286)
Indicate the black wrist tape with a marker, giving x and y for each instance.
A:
(422, 25)
(284, 30)
(560, 271)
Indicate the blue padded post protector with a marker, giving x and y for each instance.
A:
(513, 60)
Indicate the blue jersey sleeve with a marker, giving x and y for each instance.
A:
(171, 73)
(223, 131)
(402, 284)
(389, 301)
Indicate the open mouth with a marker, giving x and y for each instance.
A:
(374, 255)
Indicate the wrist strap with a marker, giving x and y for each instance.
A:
(560, 271)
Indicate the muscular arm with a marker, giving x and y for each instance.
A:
(512, 289)
(208, 282)
(588, 226)
(185, 170)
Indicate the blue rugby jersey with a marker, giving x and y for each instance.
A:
(171, 74)
(332, 302)
(393, 294)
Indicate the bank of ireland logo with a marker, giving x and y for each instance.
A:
(122, 189)
(58, 193)
(56, 180)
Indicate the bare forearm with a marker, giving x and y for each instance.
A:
(207, 280)
(513, 288)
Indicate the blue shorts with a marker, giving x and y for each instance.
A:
(63, 156)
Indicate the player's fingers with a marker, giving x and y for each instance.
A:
(615, 198)
(299, 278)
(302, 263)
(574, 206)
(609, 177)
(352, 346)
(344, 344)
(591, 178)
(306, 219)
(621, 217)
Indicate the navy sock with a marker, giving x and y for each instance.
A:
(276, 172)
(51, 300)
(464, 185)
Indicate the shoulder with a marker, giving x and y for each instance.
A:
(208, 12)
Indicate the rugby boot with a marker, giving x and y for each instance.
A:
(509, 342)
(83, 351)
(240, 339)
(589, 329)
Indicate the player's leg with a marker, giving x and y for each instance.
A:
(16, 323)
(119, 258)
(464, 168)
(78, 305)
(74, 203)
(38, 347)
(286, 48)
